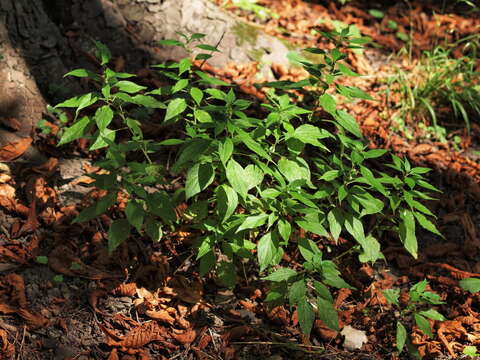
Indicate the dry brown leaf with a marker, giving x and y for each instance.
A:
(129, 289)
(33, 320)
(5, 178)
(113, 355)
(93, 299)
(160, 315)
(48, 168)
(7, 309)
(187, 337)
(7, 348)
(7, 190)
(17, 289)
(13, 150)
(85, 179)
(324, 331)
(142, 335)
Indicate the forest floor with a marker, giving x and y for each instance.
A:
(63, 297)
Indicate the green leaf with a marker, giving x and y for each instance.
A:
(175, 108)
(327, 313)
(330, 175)
(313, 227)
(191, 152)
(207, 263)
(102, 53)
(423, 324)
(135, 214)
(252, 222)
(144, 100)
(392, 295)
(170, 42)
(76, 131)
(309, 249)
(103, 139)
(323, 291)
(432, 314)
(345, 70)
(160, 204)
(310, 134)
(253, 145)
(297, 292)
(282, 274)
(153, 229)
(98, 208)
(292, 171)
(253, 176)
(179, 85)
(470, 284)
(348, 122)
(196, 94)
(199, 177)
(355, 228)
(207, 47)
(401, 336)
(306, 316)
(375, 183)
(129, 86)
(119, 232)
(235, 175)
(284, 229)
(78, 102)
(202, 116)
(374, 153)
(407, 232)
(426, 224)
(335, 221)
(227, 201)
(470, 350)
(82, 73)
(225, 150)
(266, 251)
(327, 102)
(103, 117)
(42, 260)
(371, 250)
(376, 13)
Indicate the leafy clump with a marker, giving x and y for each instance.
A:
(418, 298)
(252, 186)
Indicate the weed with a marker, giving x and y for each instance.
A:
(251, 185)
(418, 298)
(439, 85)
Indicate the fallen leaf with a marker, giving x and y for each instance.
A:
(160, 315)
(13, 150)
(129, 289)
(187, 337)
(33, 320)
(354, 339)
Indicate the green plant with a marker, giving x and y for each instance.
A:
(439, 81)
(418, 298)
(470, 284)
(470, 351)
(250, 184)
